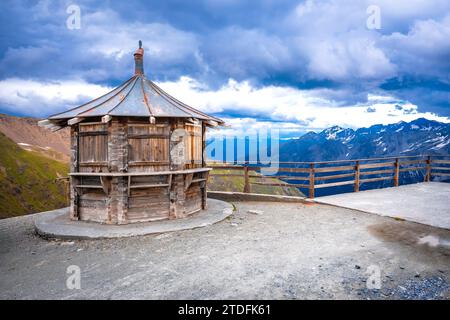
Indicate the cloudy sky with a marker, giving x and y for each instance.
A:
(293, 65)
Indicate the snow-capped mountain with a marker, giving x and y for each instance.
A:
(417, 137)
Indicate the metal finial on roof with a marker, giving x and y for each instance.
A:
(138, 60)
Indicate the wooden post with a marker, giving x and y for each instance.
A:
(428, 170)
(74, 167)
(74, 212)
(67, 190)
(203, 186)
(203, 144)
(357, 176)
(396, 172)
(246, 180)
(311, 180)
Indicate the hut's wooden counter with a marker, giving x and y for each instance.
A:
(122, 197)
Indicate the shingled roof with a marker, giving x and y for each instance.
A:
(136, 97)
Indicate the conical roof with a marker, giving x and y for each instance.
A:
(136, 97)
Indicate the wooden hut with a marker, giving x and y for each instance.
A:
(137, 154)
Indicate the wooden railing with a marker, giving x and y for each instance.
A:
(327, 174)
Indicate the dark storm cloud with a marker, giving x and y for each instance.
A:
(324, 45)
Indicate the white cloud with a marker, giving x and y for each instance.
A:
(423, 47)
(38, 98)
(164, 44)
(290, 109)
(350, 57)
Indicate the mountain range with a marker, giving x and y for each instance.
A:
(417, 137)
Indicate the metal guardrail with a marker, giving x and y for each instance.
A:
(315, 175)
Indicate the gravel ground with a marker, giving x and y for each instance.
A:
(276, 251)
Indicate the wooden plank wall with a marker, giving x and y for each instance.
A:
(193, 145)
(92, 147)
(148, 147)
(122, 146)
(148, 203)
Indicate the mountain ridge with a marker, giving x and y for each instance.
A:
(26, 133)
(28, 181)
(418, 137)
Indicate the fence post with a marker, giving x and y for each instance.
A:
(311, 180)
(428, 172)
(357, 176)
(246, 180)
(396, 172)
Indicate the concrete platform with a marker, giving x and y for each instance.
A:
(56, 224)
(426, 203)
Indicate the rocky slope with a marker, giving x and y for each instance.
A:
(28, 181)
(28, 135)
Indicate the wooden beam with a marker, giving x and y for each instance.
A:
(441, 174)
(376, 165)
(149, 136)
(440, 168)
(375, 179)
(336, 176)
(50, 125)
(188, 181)
(44, 123)
(370, 173)
(304, 178)
(231, 175)
(169, 180)
(305, 170)
(152, 185)
(335, 184)
(281, 184)
(411, 169)
(106, 184)
(333, 169)
(404, 163)
(138, 174)
(441, 161)
(107, 118)
(74, 121)
(311, 181)
(212, 123)
(55, 128)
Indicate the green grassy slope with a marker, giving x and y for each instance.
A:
(236, 184)
(27, 181)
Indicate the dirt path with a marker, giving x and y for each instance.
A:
(291, 251)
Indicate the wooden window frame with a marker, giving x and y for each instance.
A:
(149, 137)
(93, 133)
